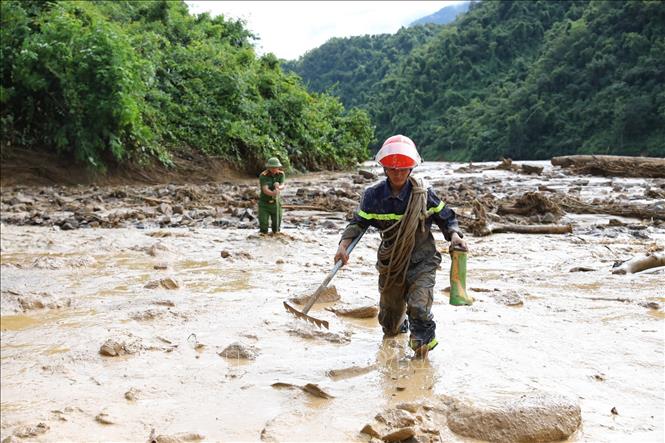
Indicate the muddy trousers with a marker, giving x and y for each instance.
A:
(270, 213)
(414, 299)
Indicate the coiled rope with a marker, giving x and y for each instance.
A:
(399, 239)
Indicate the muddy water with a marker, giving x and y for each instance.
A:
(591, 335)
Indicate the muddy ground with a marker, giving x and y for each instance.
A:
(119, 304)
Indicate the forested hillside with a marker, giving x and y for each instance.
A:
(528, 80)
(113, 82)
(351, 67)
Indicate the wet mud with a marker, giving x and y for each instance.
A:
(138, 327)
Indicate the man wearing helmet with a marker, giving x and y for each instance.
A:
(402, 208)
(271, 182)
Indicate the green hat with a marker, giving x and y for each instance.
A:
(273, 162)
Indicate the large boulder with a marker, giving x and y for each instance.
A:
(528, 418)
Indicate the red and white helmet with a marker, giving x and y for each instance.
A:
(399, 152)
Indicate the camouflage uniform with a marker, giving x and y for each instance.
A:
(380, 209)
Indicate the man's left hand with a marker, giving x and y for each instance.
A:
(458, 242)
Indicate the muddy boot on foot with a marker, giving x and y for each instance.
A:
(420, 348)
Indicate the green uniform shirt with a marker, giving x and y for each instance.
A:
(266, 178)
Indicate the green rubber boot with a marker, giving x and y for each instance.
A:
(458, 295)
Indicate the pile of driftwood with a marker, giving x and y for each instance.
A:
(613, 165)
(537, 203)
(529, 204)
(636, 210)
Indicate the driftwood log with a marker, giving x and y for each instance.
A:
(625, 209)
(640, 263)
(531, 203)
(524, 229)
(613, 165)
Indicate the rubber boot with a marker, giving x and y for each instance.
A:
(458, 295)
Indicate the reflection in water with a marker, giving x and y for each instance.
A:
(17, 322)
(402, 377)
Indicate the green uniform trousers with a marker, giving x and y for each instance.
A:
(270, 213)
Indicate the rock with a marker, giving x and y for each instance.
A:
(48, 262)
(399, 435)
(548, 218)
(30, 303)
(112, 348)
(239, 351)
(30, 431)
(309, 388)
(362, 312)
(149, 314)
(314, 390)
(248, 214)
(396, 418)
(152, 284)
(531, 417)
(510, 298)
(177, 438)
(225, 253)
(529, 169)
(367, 174)
(166, 283)
(328, 336)
(369, 430)
(169, 283)
(154, 250)
(165, 208)
(581, 269)
(411, 407)
(352, 371)
(104, 419)
(328, 295)
(132, 394)
(650, 305)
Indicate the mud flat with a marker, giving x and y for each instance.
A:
(147, 328)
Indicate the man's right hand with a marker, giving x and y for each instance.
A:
(341, 253)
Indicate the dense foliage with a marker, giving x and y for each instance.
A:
(115, 81)
(528, 80)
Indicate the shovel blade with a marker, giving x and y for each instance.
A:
(306, 317)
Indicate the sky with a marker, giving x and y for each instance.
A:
(290, 28)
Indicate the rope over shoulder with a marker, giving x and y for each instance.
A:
(399, 239)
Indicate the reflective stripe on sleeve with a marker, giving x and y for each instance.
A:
(397, 217)
(370, 216)
(436, 210)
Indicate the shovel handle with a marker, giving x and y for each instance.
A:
(331, 274)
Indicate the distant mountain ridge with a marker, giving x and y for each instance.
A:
(444, 15)
(522, 79)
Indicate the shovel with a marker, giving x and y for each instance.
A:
(303, 314)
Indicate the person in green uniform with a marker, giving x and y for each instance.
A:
(271, 182)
